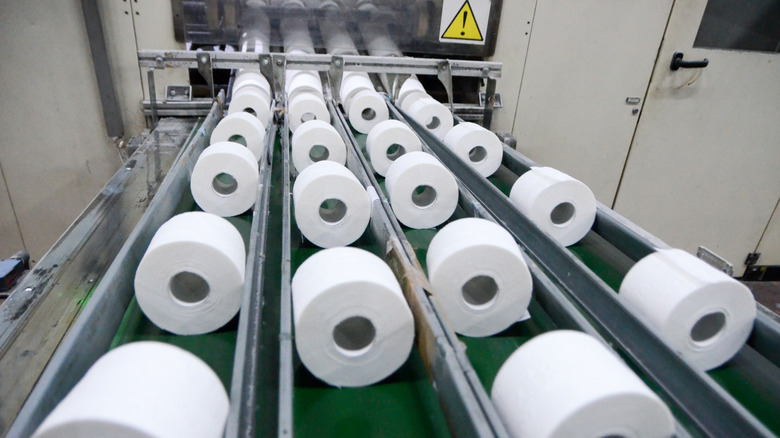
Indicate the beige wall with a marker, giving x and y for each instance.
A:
(54, 151)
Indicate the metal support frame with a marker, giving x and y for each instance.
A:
(445, 77)
(369, 64)
(152, 95)
(204, 66)
(112, 115)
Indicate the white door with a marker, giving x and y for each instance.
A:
(585, 60)
(704, 166)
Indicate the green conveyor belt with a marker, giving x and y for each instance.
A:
(403, 404)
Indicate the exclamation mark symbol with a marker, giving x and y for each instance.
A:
(465, 14)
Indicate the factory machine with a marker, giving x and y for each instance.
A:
(78, 302)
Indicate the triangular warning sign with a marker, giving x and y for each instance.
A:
(463, 26)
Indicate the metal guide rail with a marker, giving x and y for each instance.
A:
(705, 407)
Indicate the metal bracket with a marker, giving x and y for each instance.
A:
(396, 83)
(752, 258)
(490, 102)
(204, 68)
(335, 74)
(279, 65)
(445, 76)
(152, 94)
(266, 68)
(715, 260)
(178, 93)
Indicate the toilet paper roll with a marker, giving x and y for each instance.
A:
(353, 83)
(699, 312)
(565, 383)
(316, 141)
(479, 277)
(142, 389)
(242, 128)
(555, 202)
(423, 193)
(303, 81)
(224, 180)
(389, 140)
(366, 109)
(306, 106)
(251, 101)
(352, 324)
(337, 39)
(410, 86)
(331, 206)
(476, 146)
(190, 279)
(411, 98)
(434, 116)
(248, 78)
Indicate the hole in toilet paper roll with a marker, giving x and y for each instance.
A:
(354, 335)
(423, 196)
(332, 211)
(238, 139)
(224, 184)
(477, 154)
(368, 114)
(188, 287)
(562, 214)
(480, 291)
(708, 327)
(318, 152)
(308, 116)
(433, 123)
(394, 151)
(250, 111)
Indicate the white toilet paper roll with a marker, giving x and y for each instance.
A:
(142, 389)
(316, 141)
(479, 277)
(331, 206)
(476, 146)
(366, 109)
(337, 39)
(300, 81)
(252, 101)
(411, 98)
(389, 140)
(701, 313)
(295, 35)
(224, 180)
(304, 107)
(351, 84)
(434, 116)
(241, 128)
(557, 203)
(423, 193)
(352, 324)
(190, 279)
(565, 383)
(252, 79)
(410, 86)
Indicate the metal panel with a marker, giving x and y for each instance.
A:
(91, 334)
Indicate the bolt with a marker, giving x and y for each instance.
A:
(265, 61)
(485, 71)
(635, 111)
(338, 63)
(159, 60)
(173, 92)
(28, 289)
(91, 280)
(186, 92)
(279, 62)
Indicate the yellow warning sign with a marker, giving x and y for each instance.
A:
(464, 26)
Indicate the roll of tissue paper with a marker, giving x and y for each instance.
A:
(476, 146)
(142, 389)
(243, 128)
(252, 79)
(389, 140)
(434, 116)
(331, 206)
(252, 101)
(566, 383)
(190, 279)
(422, 192)
(224, 180)
(353, 83)
(352, 324)
(410, 86)
(701, 313)
(307, 106)
(366, 109)
(299, 81)
(315, 141)
(479, 277)
(555, 202)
